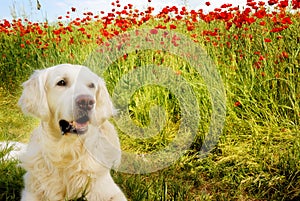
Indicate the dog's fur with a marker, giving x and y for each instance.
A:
(61, 167)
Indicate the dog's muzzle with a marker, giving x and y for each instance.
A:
(84, 104)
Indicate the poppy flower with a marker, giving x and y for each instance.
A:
(153, 31)
(285, 54)
(172, 26)
(272, 2)
(237, 104)
(267, 40)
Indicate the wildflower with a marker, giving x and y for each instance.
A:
(153, 31)
(251, 3)
(287, 20)
(257, 52)
(257, 64)
(283, 4)
(207, 3)
(267, 40)
(278, 29)
(285, 54)
(262, 23)
(279, 37)
(296, 5)
(260, 13)
(71, 41)
(226, 5)
(228, 44)
(178, 72)
(272, 2)
(82, 29)
(73, 9)
(172, 26)
(237, 104)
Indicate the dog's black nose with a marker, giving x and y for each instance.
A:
(85, 102)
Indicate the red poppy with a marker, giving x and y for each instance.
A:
(296, 4)
(267, 40)
(261, 58)
(257, 64)
(226, 5)
(285, 54)
(262, 23)
(153, 31)
(278, 29)
(228, 44)
(260, 13)
(286, 20)
(237, 104)
(172, 26)
(272, 2)
(71, 41)
(283, 4)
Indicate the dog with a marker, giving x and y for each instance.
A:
(72, 151)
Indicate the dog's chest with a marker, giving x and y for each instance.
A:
(74, 169)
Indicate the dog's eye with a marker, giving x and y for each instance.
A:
(61, 83)
(91, 85)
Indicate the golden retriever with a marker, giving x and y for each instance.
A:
(75, 146)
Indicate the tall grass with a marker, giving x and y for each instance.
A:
(257, 55)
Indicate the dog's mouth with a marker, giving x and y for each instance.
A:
(79, 126)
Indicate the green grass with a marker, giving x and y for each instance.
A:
(258, 154)
(11, 177)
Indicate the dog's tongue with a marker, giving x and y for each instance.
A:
(78, 127)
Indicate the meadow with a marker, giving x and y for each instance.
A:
(256, 52)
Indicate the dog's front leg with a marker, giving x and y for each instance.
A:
(28, 196)
(105, 189)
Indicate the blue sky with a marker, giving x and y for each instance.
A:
(51, 9)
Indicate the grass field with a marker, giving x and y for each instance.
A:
(256, 51)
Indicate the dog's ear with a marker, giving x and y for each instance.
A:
(33, 99)
(104, 105)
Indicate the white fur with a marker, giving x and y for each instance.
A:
(61, 167)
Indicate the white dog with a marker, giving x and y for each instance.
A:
(75, 146)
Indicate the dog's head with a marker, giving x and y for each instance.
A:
(70, 97)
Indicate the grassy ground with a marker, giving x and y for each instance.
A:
(258, 154)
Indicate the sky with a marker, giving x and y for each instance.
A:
(51, 9)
